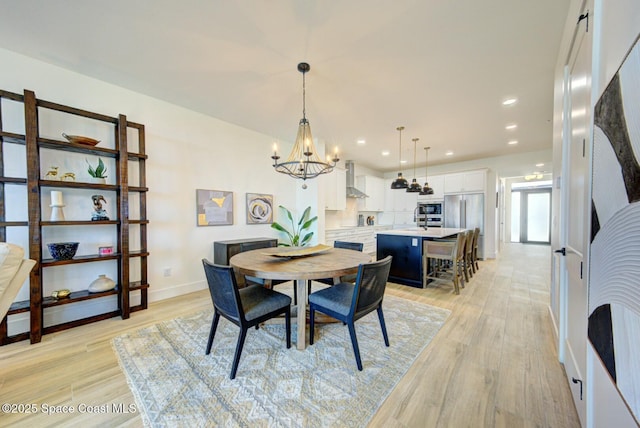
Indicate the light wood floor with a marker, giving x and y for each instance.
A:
(492, 364)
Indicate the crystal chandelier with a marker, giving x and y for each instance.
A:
(303, 161)
(400, 182)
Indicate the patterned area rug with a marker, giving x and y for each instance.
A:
(175, 384)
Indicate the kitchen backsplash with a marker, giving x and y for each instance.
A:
(348, 217)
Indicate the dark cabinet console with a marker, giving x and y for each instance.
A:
(224, 250)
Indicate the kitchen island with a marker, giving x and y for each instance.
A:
(405, 246)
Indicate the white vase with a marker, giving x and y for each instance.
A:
(102, 283)
(97, 180)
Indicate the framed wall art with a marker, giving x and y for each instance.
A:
(214, 207)
(259, 208)
(614, 291)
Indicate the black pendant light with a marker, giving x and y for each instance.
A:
(426, 190)
(400, 182)
(414, 187)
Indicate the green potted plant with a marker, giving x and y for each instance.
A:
(298, 235)
(98, 173)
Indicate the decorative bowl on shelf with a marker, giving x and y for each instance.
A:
(102, 283)
(79, 139)
(63, 250)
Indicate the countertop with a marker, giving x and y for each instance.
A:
(432, 232)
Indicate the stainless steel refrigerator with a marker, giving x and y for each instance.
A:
(466, 212)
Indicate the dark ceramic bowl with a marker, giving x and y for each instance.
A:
(63, 250)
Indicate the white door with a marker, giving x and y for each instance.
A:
(575, 214)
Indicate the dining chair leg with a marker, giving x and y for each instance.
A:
(312, 314)
(287, 323)
(236, 357)
(212, 332)
(354, 343)
(456, 283)
(383, 325)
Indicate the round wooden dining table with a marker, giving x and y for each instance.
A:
(332, 263)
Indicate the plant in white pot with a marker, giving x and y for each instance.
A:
(97, 173)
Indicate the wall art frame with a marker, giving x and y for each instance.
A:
(614, 288)
(214, 207)
(259, 208)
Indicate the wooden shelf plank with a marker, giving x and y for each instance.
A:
(13, 223)
(78, 223)
(77, 185)
(82, 321)
(16, 180)
(138, 253)
(10, 137)
(79, 259)
(76, 296)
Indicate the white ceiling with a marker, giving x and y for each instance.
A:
(439, 68)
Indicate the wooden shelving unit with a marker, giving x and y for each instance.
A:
(123, 254)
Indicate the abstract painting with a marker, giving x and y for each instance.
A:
(614, 282)
(215, 207)
(259, 208)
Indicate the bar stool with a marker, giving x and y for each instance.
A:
(444, 260)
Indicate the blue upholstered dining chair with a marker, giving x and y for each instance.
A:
(245, 307)
(355, 246)
(348, 302)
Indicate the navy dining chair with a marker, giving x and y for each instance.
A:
(245, 307)
(348, 302)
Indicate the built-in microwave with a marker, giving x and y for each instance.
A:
(429, 214)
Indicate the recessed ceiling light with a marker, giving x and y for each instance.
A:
(511, 126)
(509, 101)
(539, 165)
(403, 161)
(361, 142)
(513, 142)
(449, 153)
(385, 153)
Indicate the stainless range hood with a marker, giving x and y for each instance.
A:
(352, 192)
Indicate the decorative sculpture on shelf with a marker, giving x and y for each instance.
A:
(52, 174)
(99, 212)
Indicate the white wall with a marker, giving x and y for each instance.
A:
(186, 150)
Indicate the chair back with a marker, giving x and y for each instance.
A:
(476, 234)
(370, 284)
(461, 245)
(223, 289)
(356, 246)
(443, 250)
(469, 244)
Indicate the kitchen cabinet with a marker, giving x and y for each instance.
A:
(123, 150)
(335, 195)
(373, 187)
(465, 182)
(436, 182)
(399, 204)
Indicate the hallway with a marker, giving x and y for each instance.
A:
(494, 363)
